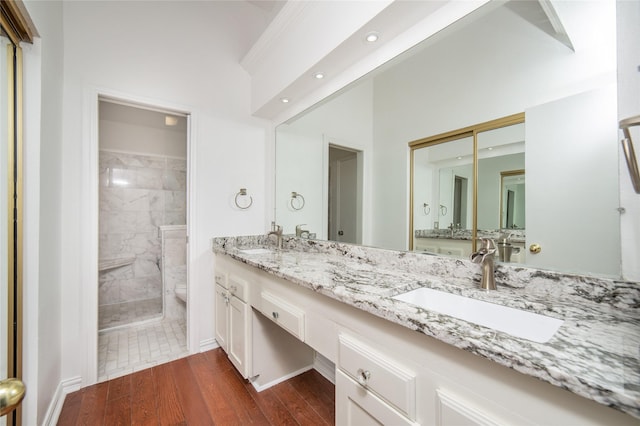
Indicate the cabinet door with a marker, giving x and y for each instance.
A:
(356, 406)
(454, 411)
(222, 314)
(239, 336)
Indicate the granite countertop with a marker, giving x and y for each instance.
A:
(595, 353)
(515, 235)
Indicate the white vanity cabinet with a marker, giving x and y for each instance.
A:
(385, 373)
(446, 246)
(283, 313)
(233, 321)
(222, 309)
(371, 387)
(356, 406)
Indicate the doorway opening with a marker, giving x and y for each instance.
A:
(460, 190)
(142, 241)
(345, 195)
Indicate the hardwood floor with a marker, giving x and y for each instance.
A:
(202, 389)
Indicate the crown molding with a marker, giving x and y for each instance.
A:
(291, 13)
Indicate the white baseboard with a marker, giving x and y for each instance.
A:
(55, 407)
(260, 388)
(208, 344)
(325, 367)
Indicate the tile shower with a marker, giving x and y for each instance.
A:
(138, 194)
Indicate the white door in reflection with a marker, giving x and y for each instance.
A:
(344, 195)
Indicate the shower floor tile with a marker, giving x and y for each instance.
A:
(127, 350)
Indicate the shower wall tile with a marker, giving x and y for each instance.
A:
(109, 292)
(115, 274)
(175, 218)
(118, 221)
(147, 268)
(138, 193)
(149, 178)
(156, 200)
(144, 245)
(175, 201)
(126, 199)
(174, 180)
(176, 164)
(175, 253)
(174, 269)
(135, 289)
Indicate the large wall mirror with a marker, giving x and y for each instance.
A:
(499, 61)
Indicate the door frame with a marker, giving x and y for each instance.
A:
(90, 213)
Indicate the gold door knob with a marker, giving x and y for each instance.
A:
(535, 248)
(11, 393)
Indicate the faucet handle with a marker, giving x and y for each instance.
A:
(488, 244)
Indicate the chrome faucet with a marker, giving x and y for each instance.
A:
(451, 227)
(277, 231)
(301, 232)
(484, 256)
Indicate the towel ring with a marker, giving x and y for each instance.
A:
(243, 193)
(297, 196)
(426, 209)
(443, 210)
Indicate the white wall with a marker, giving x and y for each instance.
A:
(43, 191)
(177, 53)
(462, 82)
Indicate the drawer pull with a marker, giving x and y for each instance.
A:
(363, 376)
(275, 315)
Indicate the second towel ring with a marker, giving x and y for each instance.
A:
(296, 196)
(243, 193)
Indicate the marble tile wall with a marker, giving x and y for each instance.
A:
(138, 193)
(174, 268)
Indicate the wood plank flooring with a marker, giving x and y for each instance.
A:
(202, 389)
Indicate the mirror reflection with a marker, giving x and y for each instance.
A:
(512, 199)
(497, 61)
(443, 170)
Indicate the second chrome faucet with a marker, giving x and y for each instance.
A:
(277, 231)
(485, 256)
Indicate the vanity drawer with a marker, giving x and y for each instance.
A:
(284, 314)
(238, 287)
(379, 374)
(221, 279)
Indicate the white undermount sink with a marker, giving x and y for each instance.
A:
(255, 251)
(527, 325)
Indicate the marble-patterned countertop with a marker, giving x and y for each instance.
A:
(595, 353)
(515, 235)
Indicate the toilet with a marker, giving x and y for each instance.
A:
(181, 292)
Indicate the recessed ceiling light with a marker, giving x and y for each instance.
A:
(372, 37)
(490, 148)
(459, 158)
(284, 100)
(319, 75)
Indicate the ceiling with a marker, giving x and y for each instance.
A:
(393, 22)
